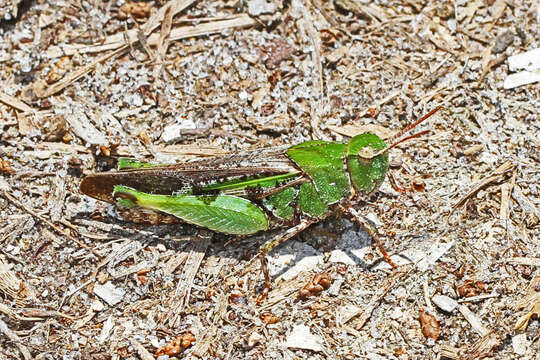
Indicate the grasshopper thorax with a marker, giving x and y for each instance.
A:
(366, 164)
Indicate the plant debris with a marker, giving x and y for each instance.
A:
(85, 83)
(429, 324)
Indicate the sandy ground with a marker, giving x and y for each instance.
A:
(86, 82)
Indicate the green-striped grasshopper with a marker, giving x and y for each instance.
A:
(245, 193)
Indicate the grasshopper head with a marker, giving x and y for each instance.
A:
(367, 156)
(366, 163)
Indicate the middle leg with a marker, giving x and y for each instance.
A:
(269, 245)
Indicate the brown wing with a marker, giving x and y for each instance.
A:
(178, 177)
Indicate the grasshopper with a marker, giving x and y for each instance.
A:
(242, 194)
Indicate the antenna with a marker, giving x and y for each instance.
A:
(404, 130)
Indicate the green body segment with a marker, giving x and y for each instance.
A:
(221, 213)
(310, 202)
(282, 203)
(324, 163)
(240, 184)
(125, 163)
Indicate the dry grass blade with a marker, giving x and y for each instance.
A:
(15, 103)
(494, 176)
(9, 334)
(306, 23)
(121, 48)
(473, 319)
(77, 74)
(119, 40)
(163, 42)
(172, 7)
(57, 229)
(353, 130)
(383, 289)
(529, 304)
(481, 349)
(180, 297)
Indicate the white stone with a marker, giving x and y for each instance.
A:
(339, 256)
(161, 247)
(258, 7)
(110, 294)
(305, 264)
(374, 219)
(445, 303)
(97, 306)
(173, 132)
(521, 78)
(346, 313)
(15, 250)
(4, 185)
(520, 344)
(302, 338)
(106, 330)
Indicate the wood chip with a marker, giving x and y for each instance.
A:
(141, 351)
(12, 286)
(180, 297)
(475, 321)
(479, 350)
(83, 128)
(174, 262)
(111, 294)
(475, 149)
(529, 61)
(521, 78)
(337, 54)
(504, 211)
(530, 261)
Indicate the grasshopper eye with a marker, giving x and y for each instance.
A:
(367, 152)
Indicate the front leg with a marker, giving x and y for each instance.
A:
(371, 230)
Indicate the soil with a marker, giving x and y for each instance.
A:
(84, 83)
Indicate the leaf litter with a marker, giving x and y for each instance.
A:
(86, 82)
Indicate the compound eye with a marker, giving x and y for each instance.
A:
(367, 152)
